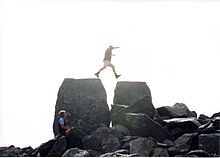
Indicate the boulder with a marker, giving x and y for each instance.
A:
(144, 126)
(215, 115)
(112, 143)
(209, 143)
(125, 142)
(206, 128)
(159, 152)
(182, 145)
(179, 110)
(198, 153)
(194, 114)
(74, 139)
(203, 127)
(144, 105)
(127, 93)
(58, 148)
(13, 151)
(103, 139)
(216, 123)
(119, 153)
(75, 152)
(212, 126)
(45, 148)
(85, 101)
(180, 126)
(169, 143)
(27, 151)
(142, 146)
(203, 119)
(120, 131)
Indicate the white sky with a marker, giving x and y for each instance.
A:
(172, 45)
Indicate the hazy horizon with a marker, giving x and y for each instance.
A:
(173, 46)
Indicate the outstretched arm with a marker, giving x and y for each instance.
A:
(115, 47)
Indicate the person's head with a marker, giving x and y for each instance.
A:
(62, 113)
(110, 47)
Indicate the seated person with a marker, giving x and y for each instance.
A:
(63, 128)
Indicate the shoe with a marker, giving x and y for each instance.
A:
(117, 76)
(97, 74)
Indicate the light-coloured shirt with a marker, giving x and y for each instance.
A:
(61, 121)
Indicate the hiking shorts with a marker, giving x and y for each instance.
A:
(107, 63)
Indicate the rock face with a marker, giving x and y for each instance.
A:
(85, 101)
(127, 93)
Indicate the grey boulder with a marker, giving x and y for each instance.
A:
(183, 144)
(75, 152)
(127, 93)
(180, 126)
(178, 110)
(58, 148)
(142, 146)
(142, 125)
(85, 101)
(209, 143)
(104, 139)
(143, 105)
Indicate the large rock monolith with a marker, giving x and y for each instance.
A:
(128, 93)
(85, 101)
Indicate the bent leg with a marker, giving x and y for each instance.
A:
(113, 68)
(67, 132)
(102, 68)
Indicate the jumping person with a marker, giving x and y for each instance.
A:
(107, 61)
(63, 128)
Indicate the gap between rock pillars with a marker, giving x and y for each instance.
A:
(109, 86)
(109, 83)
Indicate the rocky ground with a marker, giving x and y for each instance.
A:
(138, 128)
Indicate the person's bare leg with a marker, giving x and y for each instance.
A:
(67, 132)
(113, 68)
(97, 74)
(102, 69)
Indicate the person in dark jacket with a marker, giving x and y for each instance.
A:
(107, 61)
(63, 128)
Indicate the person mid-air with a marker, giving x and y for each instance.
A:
(107, 61)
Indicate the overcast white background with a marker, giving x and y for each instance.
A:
(171, 45)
